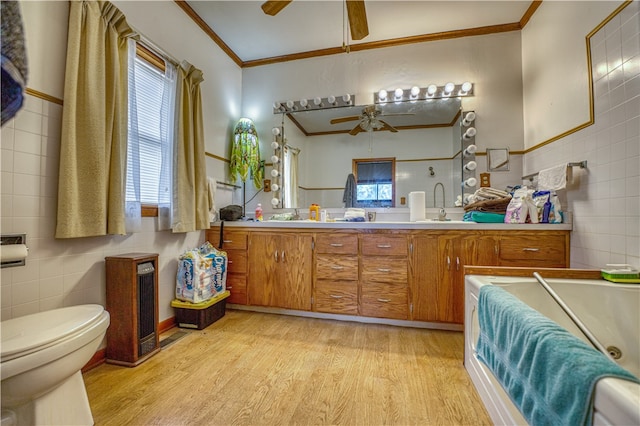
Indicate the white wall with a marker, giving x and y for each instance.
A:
(605, 198)
(69, 272)
(493, 63)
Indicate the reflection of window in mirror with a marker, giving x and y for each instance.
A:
(498, 159)
(375, 181)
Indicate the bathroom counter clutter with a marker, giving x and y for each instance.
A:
(399, 273)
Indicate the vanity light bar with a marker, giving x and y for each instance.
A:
(304, 104)
(449, 90)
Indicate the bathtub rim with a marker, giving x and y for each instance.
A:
(616, 410)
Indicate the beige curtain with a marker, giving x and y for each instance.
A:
(190, 192)
(93, 148)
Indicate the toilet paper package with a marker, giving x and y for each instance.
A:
(202, 274)
(416, 206)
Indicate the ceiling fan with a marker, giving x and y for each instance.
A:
(355, 10)
(369, 120)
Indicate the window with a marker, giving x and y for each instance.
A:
(150, 141)
(375, 182)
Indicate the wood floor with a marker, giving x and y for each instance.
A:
(265, 369)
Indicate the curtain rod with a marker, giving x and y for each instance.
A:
(148, 43)
(293, 148)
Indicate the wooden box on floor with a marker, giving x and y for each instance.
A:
(200, 315)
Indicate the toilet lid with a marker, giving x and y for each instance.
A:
(32, 331)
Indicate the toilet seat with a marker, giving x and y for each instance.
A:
(31, 333)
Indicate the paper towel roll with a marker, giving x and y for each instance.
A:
(416, 206)
(13, 252)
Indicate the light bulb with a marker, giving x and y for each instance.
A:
(346, 98)
(382, 95)
(317, 101)
(448, 88)
(470, 150)
(471, 132)
(275, 201)
(276, 105)
(466, 87)
(431, 90)
(468, 118)
(275, 187)
(470, 166)
(274, 159)
(290, 104)
(275, 131)
(275, 145)
(275, 173)
(331, 99)
(471, 182)
(304, 103)
(415, 91)
(398, 93)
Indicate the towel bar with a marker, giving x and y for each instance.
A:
(582, 164)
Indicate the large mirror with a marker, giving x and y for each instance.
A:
(425, 146)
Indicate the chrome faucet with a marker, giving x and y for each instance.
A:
(442, 213)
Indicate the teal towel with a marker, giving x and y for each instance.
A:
(483, 217)
(549, 374)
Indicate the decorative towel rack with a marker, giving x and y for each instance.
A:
(229, 184)
(582, 164)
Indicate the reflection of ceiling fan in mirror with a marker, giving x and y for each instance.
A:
(355, 10)
(369, 120)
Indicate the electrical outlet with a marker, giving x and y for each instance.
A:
(267, 185)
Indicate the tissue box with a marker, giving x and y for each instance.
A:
(200, 315)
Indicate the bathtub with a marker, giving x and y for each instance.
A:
(610, 311)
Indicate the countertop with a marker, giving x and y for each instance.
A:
(428, 224)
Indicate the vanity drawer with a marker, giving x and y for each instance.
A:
(337, 243)
(548, 250)
(231, 240)
(385, 270)
(383, 245)
(333, 267)
(336, 297)
(237, 286)
(382, 301)
(237, 261)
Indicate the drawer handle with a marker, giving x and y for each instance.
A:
(530, 249)
(227, 241)
(282, 256)
(335, 296)
(229, 261)
(384, 269)
(457, 263)
(275, 254)
(229, 287)
(384, 245)
(384, 300)
(336, 245)
(337, 267)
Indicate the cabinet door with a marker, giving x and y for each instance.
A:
(264, 259)
(294, 283)
(425, 278)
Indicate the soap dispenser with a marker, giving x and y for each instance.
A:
(314, 212)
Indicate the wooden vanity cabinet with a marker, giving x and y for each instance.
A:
(384, 276)
(234, 243)
(280, 270)
(335, 288)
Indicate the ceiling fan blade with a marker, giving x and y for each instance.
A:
(272, 7)
(386, 126)
(357, 19)
(355, 130)
(345, 119)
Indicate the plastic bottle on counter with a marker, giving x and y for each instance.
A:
(259, 212)
(314, 212)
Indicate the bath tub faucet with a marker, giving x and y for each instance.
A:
(442, 213)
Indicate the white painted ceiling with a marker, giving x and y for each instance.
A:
(307, 25)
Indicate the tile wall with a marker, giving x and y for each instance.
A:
(62, 272)
(605, 198)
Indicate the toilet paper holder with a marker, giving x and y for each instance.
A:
(13, 239)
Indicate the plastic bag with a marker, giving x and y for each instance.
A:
(521, 207)
(202, 273)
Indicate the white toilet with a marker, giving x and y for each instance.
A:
(42, 355)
